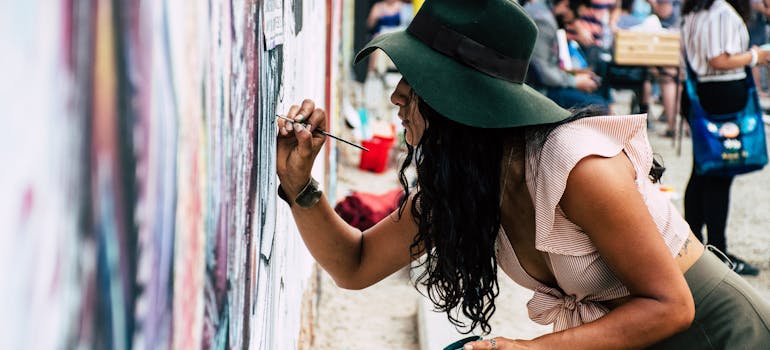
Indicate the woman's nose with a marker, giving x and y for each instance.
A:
(400, 94)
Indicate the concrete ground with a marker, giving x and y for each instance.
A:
(386, 315)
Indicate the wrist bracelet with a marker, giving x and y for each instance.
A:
(282, 195)
(754, 58)
(307, 197)
(310, 195)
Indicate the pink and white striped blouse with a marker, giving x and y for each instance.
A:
(583, 277)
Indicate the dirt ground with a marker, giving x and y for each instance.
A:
(385, 315)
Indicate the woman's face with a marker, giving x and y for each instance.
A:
(411, 119)
(562, 10)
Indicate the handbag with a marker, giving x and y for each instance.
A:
(726, 144)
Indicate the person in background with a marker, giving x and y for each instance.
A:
(578, 30)
(566, 89)
(641, 9)
(668, 11)
(757, 26)
(562, 202)
(716, 43)
(386, 16)
(601, 17)
(627, 18)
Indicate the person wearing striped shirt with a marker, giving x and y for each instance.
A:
(599, 16)
(716, 44)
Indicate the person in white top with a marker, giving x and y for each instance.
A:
(716, 43)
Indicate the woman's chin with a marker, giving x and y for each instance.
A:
(409, 140)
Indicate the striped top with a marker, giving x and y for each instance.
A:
(584, 278)
(577, 25)
(591, 24)
(596, 17)
(709, 33)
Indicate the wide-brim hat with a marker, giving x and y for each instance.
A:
(468, 60)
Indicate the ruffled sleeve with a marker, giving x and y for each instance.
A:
(549, 167)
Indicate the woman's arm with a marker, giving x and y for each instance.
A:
(760, 6)
(353, 258)
(374, 14)
(602, 197)
(726, 61)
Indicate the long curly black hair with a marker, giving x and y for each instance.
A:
(456, 205)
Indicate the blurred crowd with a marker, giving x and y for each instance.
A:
(722, 46)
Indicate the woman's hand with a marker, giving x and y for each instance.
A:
(498, 343)
(585, 82)
(297, 145)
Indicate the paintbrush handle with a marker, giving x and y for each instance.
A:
(325, 133)
(339, 139)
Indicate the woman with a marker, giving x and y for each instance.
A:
(669, 13)
(757, 26)
(717, 49)
(562, 203)
(385, 16)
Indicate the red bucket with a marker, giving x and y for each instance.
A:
(376, 159)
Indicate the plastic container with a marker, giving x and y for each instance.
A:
(376, 159)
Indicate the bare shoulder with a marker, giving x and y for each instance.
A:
(598, 171)
(600, 190)
(603, 199)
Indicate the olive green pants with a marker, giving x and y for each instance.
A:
(729, 313)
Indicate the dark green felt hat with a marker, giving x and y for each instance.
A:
(468, 60)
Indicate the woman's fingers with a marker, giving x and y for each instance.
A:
(298, 145)
(498, 343)
(317, 119)
(304, 141)
(307, 119)
(305, 111)
(293, 110)
(281, 126)
(300, 114)
(477, 345)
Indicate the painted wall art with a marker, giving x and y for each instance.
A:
(138, 205)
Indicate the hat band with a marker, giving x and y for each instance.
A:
(466, 50)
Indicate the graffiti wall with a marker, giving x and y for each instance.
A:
(138, 206)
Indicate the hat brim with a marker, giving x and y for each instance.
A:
(460, 92)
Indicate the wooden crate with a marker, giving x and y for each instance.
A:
(647, 49)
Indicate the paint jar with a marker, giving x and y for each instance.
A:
(376, 159)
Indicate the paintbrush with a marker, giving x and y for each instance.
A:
(325, 133)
